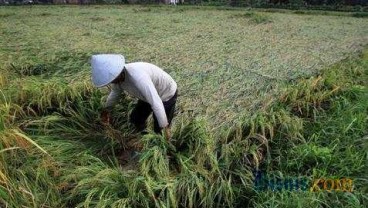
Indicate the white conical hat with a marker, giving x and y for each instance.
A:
(106, 67)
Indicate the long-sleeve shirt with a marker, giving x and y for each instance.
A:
(148, 83)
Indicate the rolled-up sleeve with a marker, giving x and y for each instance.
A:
(113, 97)
(149, 92)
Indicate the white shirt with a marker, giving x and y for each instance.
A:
(148, 83)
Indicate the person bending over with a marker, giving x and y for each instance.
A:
(155, 89)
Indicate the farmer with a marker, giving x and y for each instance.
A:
(155, 89)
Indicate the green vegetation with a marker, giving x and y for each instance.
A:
(256, 18)
(334, 109)
(237, 62)
(257, 91)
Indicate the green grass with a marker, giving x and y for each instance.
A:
(239, 62)
(257, 91)
(335, 138)
(256, 18)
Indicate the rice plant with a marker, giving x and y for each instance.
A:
(254, 94)
(17, 184)
(256, 18)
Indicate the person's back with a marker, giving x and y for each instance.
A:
(141, 73)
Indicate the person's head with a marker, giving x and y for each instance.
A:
(120, 78)
(107, 68)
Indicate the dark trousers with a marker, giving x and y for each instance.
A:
(142, 110)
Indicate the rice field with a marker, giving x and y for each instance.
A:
(226, 62)
(255, 90)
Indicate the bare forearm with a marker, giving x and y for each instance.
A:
(167, 131)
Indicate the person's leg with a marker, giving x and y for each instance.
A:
(169, 110)
(140, 114)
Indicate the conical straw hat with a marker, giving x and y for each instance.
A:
(106, 67)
